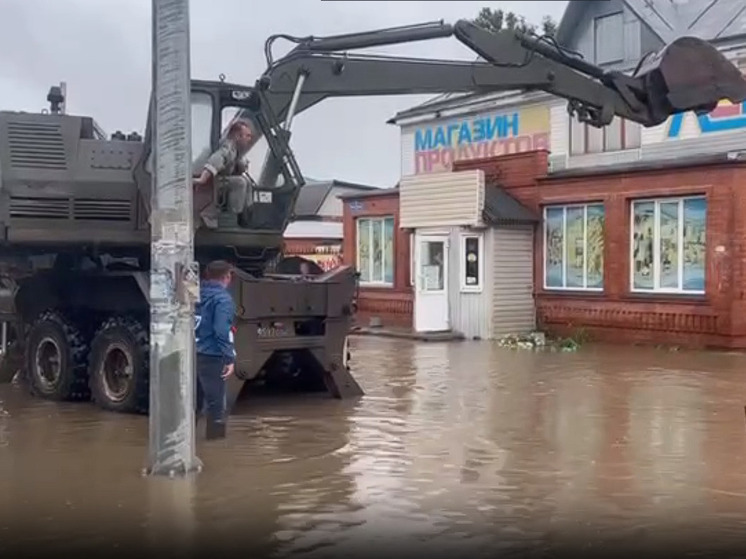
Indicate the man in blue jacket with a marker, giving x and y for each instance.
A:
(216, 353)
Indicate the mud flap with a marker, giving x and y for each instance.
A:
(339, 382)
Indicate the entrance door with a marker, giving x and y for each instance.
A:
(431, 284)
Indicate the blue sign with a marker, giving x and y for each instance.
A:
(724, 118)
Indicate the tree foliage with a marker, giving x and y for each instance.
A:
(498, 20)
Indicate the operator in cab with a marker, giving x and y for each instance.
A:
(227, 172)
(216, 354)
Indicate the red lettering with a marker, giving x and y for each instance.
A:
(439, 160)
(495, 148)
(446, 159)
(421, 162)
(541, 141)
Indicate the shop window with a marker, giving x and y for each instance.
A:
(574, 247)
(472, 263)
(668, 245)
(619, 135)
(375, 250)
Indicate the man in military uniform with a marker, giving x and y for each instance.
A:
(228, 173)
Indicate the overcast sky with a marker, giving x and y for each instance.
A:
(101, 48)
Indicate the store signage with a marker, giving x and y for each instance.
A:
(724, 118)
(436, 148)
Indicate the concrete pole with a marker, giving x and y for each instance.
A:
(174, 277)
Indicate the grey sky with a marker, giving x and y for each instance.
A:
(102, 49)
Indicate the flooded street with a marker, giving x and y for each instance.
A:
(456, 446)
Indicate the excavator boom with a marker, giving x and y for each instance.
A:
(662, 85)
(687, 75)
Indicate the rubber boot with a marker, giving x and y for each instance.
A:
(215, 430)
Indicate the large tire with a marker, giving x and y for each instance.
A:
(119, 366)
(55, 359)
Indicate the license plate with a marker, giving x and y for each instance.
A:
(272, 332)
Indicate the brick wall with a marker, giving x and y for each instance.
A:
(392, 305)
(717, 318)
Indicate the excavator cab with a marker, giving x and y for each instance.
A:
(214, 106)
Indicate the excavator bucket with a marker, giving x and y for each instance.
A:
(689, 74)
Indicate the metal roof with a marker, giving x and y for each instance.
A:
(312, 195)
(721, 159)
(314, 230)
(501, 208)
(711, 20)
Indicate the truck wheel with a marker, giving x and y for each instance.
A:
(55, 359)
(119, 368)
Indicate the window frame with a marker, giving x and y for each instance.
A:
(628, 138)
(565, 208)
(380, 219)
(412, 263)
(463, 286)
(656, 246)
(608, 17)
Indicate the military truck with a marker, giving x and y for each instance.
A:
(74, 204)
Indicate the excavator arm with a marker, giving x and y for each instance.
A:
(687, 75)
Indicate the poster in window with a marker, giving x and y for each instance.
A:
(554, 243)
(432, 265)
(695, 214)
(388, 250)
(594, 246)
(363, 247)
(376, 269)
(668, 258)
(574, 247)
(471, 261)
(643, 231)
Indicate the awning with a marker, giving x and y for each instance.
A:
(500, 208)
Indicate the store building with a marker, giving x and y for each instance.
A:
(614, 34)
(316, 230)
(473, 254)
(377, 246)
(649, 252)
(635, 229)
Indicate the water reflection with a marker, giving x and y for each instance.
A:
(454, 446)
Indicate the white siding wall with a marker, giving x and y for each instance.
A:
(470, 312)
(407, 151)
(441, 199)
(513, 308)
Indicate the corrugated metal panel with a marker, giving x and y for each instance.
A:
(407, 151)
(632, 36)
(513, 309)
(600, 159)
(559, 120)
(557, 162)
(470, 312)
(314, 230)
(713, 143)
(658, 134)
(441, 199)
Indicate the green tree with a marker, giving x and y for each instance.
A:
(498, 20)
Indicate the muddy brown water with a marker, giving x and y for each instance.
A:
(456, 446)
